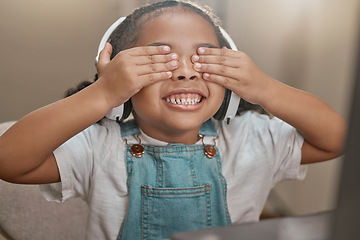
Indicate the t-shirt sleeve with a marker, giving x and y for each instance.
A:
(76, 160)
(257, 152)
(282, 143)
(263, 144)
(287, 146)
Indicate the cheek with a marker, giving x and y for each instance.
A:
(146, 99)
(217, 92)
(140, 101)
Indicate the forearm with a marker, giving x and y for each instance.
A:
(320, 125)
(322, 128)
(29, 142)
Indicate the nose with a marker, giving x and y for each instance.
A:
(185, 71)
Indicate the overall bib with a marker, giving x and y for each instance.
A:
(172, 188)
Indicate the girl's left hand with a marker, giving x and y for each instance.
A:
(233, 70)
(323, 129)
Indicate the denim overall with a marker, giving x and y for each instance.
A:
(173, 188)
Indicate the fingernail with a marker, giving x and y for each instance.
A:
(174, 56)
(166, 48)
(195, 58)
(206, 76)
(174, 63)
(169, 74)
(197, 66)
(201, 50)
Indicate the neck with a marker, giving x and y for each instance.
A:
(171, 135)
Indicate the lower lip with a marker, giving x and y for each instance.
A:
(183, 107)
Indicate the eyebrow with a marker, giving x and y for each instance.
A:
(207, 45)
(158, 44)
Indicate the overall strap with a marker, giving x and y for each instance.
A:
(208, 129)
(129, 128)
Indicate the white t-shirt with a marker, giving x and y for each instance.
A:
(256, 151)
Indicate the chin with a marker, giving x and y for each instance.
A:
(185, 123)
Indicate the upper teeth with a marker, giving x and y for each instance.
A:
(184, 101)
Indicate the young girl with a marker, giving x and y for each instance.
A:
(177, 166)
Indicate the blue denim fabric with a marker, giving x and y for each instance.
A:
(173, 188)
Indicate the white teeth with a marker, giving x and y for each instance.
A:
(183, 101)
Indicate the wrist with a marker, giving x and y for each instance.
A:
(96, 99)
(104, 93)
(269, 92)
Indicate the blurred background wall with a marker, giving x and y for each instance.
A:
(49, 46)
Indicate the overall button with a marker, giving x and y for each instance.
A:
(137, 150)
(210, 151)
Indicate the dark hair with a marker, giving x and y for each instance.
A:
(127, 33)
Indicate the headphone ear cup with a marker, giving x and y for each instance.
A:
(121, 112)
(221, 113)
(127, 110)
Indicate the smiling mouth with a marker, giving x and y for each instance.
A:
(184, 99)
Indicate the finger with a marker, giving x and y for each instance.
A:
(216, 59)
(149, 50)
(226, 82)
(217, 69)
(157, 67)
(151, 59)
(150, 78)
(218, 52)
(104, 56)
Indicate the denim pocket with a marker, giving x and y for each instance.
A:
(169, 210)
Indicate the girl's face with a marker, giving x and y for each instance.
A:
(155, 111)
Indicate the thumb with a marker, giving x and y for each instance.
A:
(104, 57)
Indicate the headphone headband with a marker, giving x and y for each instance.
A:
(109, 31)
(226, 112)
(106, 36)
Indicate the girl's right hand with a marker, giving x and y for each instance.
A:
(44, 130)
(132, 69)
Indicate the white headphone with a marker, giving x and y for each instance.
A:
(231, 100)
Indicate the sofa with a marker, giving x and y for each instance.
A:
(25, 214)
